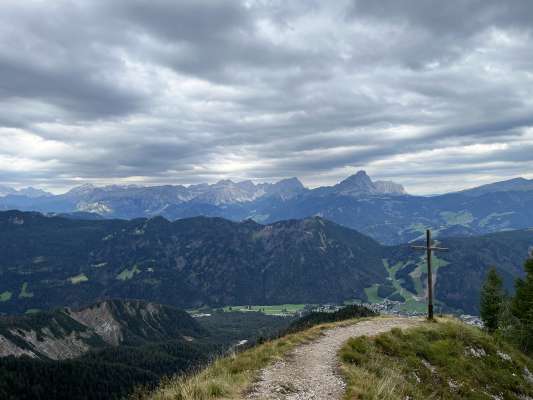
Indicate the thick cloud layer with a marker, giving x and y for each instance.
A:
(436, 95)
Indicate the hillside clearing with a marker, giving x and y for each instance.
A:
(280, 309)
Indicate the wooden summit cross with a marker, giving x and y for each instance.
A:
(429, 249)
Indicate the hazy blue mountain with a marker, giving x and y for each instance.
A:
(29, 192)
(511, 185)
(52, 261)
(381, 209)
(133, 201)
(6, 190)
(397, 219)
(33, 192)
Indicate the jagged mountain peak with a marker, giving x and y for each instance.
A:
(81, 189)
(224, 182)
(32, 192)
(29, 192)
(360, 180)
(290, 182)
(390, 187)
(361, 184)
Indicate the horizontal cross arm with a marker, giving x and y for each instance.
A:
(419, 247)
(440, 248)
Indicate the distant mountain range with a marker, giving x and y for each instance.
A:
(381, 209)
(47, 262)
(28, 192)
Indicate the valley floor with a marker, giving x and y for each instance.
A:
(310, 371)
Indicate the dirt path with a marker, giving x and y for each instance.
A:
(310, 372)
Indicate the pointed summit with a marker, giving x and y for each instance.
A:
(360, 183)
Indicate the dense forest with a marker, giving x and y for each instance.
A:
(48, 262)
(112, 373)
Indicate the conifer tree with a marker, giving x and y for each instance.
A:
(492, 297)
(522, 306)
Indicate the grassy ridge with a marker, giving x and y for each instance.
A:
(229, 377)
(445, 360)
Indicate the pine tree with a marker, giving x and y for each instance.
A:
(522, 306)
(492, 297)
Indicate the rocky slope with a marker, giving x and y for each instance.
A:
(69, 333)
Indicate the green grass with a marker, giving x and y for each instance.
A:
(5, 296)
(434, 361)
(417, 227)
(24, 292)
(463, 218)
(230, 377)
(416, 274)
(392, 277)
(78, 279)
(418, 302)
(485, 221)
(372, 294)
(280, 309)
(127, 274)
(410, 304)
(413, 303)
(421, 268)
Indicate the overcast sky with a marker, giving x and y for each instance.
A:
(436, 95)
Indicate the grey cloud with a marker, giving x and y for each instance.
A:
(73, 90)
(436, 31)
(456, 17)
(190, 90)
(63, 55)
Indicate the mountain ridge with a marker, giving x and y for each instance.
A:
(47, 262)
(69, 333)
(380, 209)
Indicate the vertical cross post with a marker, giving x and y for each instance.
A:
(430, 275)
(429, 250)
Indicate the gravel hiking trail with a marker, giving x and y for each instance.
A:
(311, 370)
